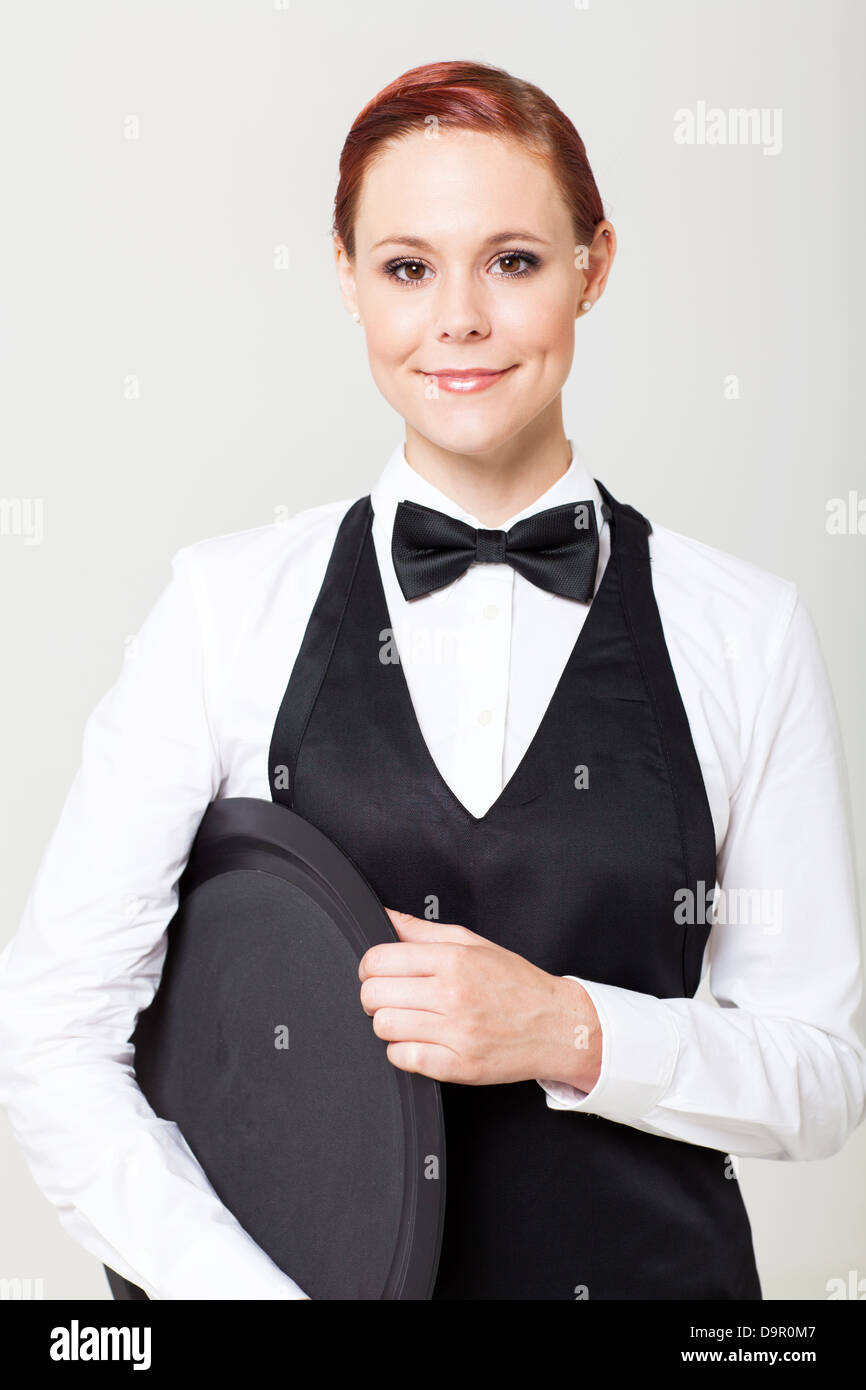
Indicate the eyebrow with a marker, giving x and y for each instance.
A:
(421, 245)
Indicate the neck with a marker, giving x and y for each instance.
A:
(495, 483)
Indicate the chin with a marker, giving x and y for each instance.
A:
(466, 432)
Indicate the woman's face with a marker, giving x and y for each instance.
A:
(466, 261)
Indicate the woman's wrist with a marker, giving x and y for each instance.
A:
(574, 1054)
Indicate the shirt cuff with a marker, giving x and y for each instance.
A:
(225, 1264)
(639, 1049)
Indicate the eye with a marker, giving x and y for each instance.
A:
(512, 256)
(393, 268)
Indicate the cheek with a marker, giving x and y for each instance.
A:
(391, 329)
(387, 338)
(395, 338)
(389, 348)
(543, 329)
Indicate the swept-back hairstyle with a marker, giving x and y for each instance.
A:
(468, 96)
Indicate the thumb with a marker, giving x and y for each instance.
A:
(410, 928)
(404, 923)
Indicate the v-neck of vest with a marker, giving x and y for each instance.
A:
(587, 627)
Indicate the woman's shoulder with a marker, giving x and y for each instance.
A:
(731, 615)
(292, 541)
(717, 580)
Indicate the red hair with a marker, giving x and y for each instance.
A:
(468, 96)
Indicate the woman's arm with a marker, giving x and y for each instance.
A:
(779, 1070)
(87, 958)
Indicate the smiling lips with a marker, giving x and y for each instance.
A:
(465, 379)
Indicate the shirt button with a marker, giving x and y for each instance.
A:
(485, 716)
(492, 610)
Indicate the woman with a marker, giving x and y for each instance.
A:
(544, 729)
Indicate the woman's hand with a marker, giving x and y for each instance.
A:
(457, 1007)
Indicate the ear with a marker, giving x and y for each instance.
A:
(345, 275)
(601, 255)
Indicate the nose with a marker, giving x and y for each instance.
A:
(459, 308)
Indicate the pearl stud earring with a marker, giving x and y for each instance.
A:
(356, 316)
(586, 304)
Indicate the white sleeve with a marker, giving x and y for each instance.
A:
(776, 1068)
(87, 957)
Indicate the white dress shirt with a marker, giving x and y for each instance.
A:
(778, 1071)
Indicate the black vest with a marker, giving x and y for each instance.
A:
(575, 871)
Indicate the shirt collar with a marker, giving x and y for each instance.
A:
(398, 482)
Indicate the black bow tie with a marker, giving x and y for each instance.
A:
(556, 549)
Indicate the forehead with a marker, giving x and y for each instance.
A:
(456, 184)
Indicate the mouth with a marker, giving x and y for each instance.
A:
(462, 380)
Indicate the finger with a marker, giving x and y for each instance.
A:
(402, 992)
(402, 958)
(410, 928)
(427, 1059)
(410, 1025)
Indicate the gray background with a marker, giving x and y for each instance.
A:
(154, 258)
